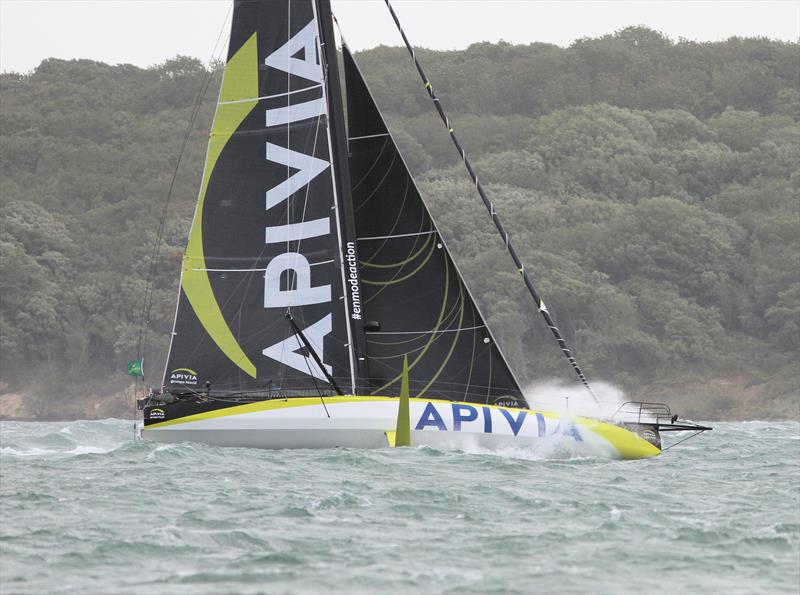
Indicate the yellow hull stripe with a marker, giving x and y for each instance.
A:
(628, 444)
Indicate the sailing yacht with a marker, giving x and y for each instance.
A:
(314, 270)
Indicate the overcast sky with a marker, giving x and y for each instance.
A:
(145, 32)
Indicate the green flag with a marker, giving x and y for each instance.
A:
(136, 367)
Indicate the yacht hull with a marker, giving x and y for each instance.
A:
(370, 422)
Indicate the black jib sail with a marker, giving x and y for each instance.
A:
(264, 256)
(413, 297)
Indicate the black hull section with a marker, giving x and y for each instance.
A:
(161, 412)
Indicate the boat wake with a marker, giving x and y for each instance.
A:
(560, 446)
(57, 440)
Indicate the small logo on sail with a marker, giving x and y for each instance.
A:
(183, 376)
(352, 279)
(156, 413)
(508, 401)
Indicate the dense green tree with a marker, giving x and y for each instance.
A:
(650, 187)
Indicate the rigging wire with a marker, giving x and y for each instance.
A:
(492, 211)
(684, 440)
(147, 304)
(147, 299)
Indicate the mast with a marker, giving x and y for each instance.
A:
(349, 246)
(493, 212)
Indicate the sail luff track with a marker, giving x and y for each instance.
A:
(492, 211)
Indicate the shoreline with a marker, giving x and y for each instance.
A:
(13, 408)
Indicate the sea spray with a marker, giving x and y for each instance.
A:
(560, 445)
(574, 400)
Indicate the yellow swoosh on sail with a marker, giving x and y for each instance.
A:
(239, 84)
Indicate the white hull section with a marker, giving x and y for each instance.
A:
(363, 422)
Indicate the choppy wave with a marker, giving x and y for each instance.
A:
(85, 508)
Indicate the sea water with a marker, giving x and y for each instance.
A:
(86, 509)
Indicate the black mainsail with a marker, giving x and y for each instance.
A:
(264, 256)
(411, 286)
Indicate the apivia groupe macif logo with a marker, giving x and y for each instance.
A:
(183, 376)
(156, 413)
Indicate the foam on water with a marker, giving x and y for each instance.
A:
(557, 446)
(84, 508)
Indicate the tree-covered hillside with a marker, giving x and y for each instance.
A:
(650, 186)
